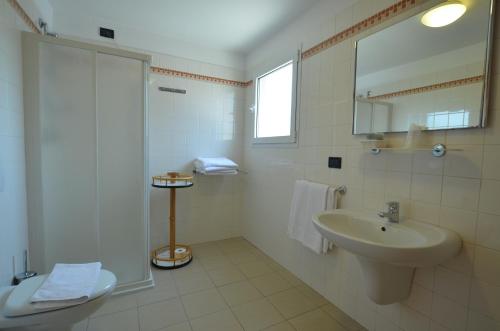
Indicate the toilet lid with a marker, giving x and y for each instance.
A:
(19, 301)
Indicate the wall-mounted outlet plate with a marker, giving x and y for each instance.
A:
(335, 162)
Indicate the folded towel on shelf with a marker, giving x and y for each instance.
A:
(308, 199)
(67, 284)
(218, 171)
(215, 166)
(222, 162)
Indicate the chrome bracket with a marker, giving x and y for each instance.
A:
(438, 150)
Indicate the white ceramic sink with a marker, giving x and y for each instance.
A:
(388, 252)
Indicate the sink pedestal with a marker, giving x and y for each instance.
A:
(386, 283)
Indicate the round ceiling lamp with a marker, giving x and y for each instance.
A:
(443, 14)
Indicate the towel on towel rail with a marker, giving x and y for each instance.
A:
(308, 199)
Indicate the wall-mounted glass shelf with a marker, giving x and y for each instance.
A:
(438, 150)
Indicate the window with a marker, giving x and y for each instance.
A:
(448, 119)
(275, 105)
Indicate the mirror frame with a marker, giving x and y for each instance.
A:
(483, 114)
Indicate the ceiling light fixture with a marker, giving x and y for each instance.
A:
(443, 14)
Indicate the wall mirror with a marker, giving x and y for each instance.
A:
(417, 73)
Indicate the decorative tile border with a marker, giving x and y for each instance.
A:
(429, 88)
(24, 16)
(382, 16)
(188, 75)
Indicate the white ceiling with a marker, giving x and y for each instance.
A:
(227, 25)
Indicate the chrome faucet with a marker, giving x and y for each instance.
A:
(392, 213)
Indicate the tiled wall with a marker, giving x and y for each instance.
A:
(460, 191)
(206, 121)
(13, 223)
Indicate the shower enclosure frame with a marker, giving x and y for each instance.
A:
(33, 132)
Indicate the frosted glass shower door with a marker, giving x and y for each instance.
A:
(68, 155)
(120, 100)
(86, 157)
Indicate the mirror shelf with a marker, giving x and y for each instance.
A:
(438, 150)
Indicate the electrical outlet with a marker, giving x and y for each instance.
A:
(335, 162)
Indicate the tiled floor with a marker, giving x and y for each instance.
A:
(230, 285)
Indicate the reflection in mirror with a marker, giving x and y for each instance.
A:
(430, 77)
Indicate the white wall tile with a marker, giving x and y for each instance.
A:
(465, 163)
(411, 320)
(426, 188)
(478, 321)
(487, 265)
(13, 223)
(488, 231)
(449, 313)
(488, 201)
(461, 193)
(461, 221)
(485, 299)
(453, 285)
(491, 162)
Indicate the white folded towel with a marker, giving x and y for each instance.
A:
(68, 284)
(308, 199)
(221, 162)
(218, 172)
(215, 166)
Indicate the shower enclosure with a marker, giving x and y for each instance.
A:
(86, 157)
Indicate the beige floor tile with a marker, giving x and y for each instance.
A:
(225, 276)
(195, 268)
(216, 262)
(203, 303)
(206, 250)
(193, 282)
(161, 315)
(271, 263)
(283, 326)
(239, 257)
(254, 269)
(312, 295)
(162, 276)
(122, 321)
(290, 277)
(342, 318)
(219, 321)
(156, 294)
(291, 303)
(270, 283)
(116, 304)
(178, 327)
(239, 293)
(316, 320)
(257, 315)
(234, 244)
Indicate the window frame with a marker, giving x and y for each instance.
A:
(292, 138)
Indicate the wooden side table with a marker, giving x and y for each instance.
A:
(174, 255)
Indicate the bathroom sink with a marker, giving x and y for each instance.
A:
(388, 252)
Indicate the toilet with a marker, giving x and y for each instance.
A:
(17, 313)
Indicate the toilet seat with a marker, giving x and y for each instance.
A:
(19, 304)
